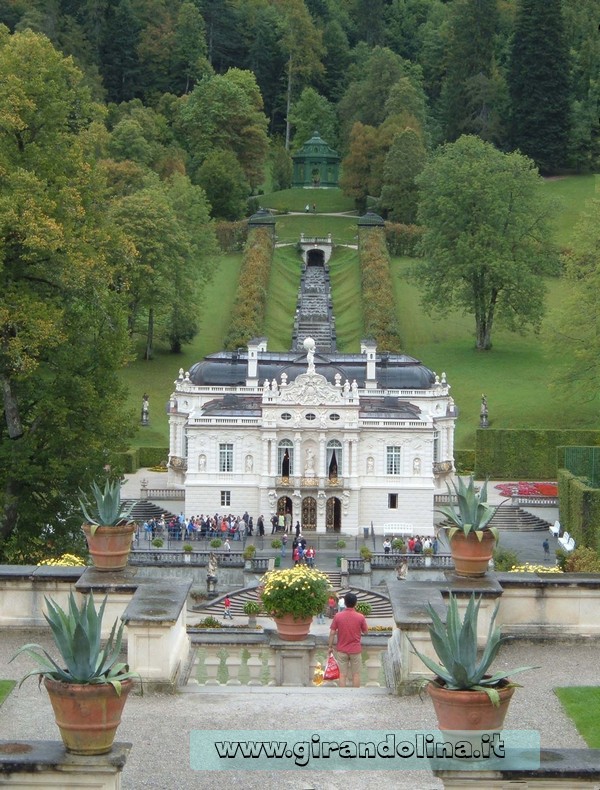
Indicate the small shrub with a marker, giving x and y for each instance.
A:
(252, 608)
(341, 544)
(188, 547)
(366, 553)
(583, 560)
(561, 558)
(505, 560)
(399, 545)
(249, 552)
(276, 544)
(364, 608)
(158, 543)
(209, 622)
(216, 543)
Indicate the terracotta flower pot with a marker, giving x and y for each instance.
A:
(472, 556)
(87, 715)
(468, 710)
(292, 630)
(109, 546)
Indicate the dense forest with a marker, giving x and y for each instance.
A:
(190, 83)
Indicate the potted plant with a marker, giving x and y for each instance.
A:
(252, 609)
(216, 543)
(428, 554)
(366, 553)
(107, 527)
(398, 545)
(465, 694)
(158, 543)
(249, 552)
(188, 548)
(471, 537)
(341, 544)
(292, 597)
(88, 685)
(364, 608)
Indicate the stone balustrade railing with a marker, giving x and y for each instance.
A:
(392, 560)
(219, 664)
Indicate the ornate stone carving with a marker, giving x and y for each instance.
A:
(311, 389)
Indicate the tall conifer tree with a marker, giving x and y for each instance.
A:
(539, 84)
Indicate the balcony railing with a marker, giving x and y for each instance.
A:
(309, 482)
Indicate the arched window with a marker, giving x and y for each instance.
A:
(285, 458)
(334, 459)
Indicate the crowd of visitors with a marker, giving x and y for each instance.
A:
(419, 544)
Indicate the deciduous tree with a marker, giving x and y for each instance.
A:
(62, 324)
(486, 239)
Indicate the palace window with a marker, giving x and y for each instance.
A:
(334, 417)
(286, 416)
(334, 459)
(436, 446)
(225, 498)
(225, 458)
(393, 460)
(310, 416)
(392, 501)
(285, 458)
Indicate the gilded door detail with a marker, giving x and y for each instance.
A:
(309, 514)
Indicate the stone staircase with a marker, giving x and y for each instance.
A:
(515, 518)
(379, 602)
(314, 311)
(144, 510)
(512, 517)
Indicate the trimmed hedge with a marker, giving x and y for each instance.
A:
(231, 236)
(153, 456)
(579, 508)
(378, 300)
(525, 454)
(464, 461)
(248, 314)
(403, 239)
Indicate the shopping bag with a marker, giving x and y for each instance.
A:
(332, 670)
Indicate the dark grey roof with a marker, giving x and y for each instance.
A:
(393, 371)
(233, 406)
(388, 408)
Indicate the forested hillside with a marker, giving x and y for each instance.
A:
(520, 74)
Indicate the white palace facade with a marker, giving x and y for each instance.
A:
(338, 441)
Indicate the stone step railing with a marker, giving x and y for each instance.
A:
(255, 665)
(392, 560)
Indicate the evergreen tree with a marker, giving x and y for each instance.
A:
(471, 93)
(538, 83)
(405, 160)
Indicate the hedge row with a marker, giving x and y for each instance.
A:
(464, 461)
(231, 236)
(403, 239)
(247, 316)
(379, 307)
(140, 457)
(527, 454)
(579, 508)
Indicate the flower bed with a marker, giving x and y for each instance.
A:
(528, 489)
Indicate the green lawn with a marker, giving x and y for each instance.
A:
(517, 375)
(582, 705)
(6, 686)
(295, 199)
(571, 194)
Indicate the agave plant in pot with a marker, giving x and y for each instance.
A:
(471, 537)
(465, 694)
(108, 527)
(89, 684)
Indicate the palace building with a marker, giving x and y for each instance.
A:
(338, 441)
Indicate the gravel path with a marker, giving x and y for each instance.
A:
(159, 725)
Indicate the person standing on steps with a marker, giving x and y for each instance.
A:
(349, 625)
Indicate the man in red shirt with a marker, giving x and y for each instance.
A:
(349, 625)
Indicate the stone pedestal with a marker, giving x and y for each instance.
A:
(292, 661)
(46, 764)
